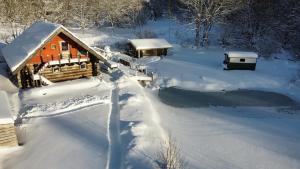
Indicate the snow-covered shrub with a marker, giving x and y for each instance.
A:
(21, 131)
(169, 156)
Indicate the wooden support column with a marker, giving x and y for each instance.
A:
(19, 81)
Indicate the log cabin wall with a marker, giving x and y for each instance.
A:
(67, 72)
(8, 136)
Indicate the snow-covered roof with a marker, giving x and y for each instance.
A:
(19, 50)
(32, 39)
(239, 54)
(140, 44)
(5, 115)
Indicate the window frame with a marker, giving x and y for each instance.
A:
(83, 64)
(61, 46)
(53, 46)
(56, 69)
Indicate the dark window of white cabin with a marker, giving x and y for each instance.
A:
(242, 60)
(64, 46)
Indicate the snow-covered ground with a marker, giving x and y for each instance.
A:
(228, 137)
(71, 127)
(203, 70)
(65, 126)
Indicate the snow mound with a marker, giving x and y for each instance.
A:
(5, 114)
(62, 107)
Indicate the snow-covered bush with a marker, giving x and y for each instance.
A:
(169, 156)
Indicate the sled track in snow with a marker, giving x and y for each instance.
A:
(114, 160)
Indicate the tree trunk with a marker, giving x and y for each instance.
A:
(197, 31)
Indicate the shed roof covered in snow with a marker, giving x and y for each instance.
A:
(5, 115)
(143, 44)
(32, 39)
(238, 54)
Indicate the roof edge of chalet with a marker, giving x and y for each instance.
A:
(18, 52)
(144, 44)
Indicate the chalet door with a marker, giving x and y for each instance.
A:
(65, 51)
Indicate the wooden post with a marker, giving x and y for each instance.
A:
(19, 79)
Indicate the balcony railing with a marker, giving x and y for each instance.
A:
(66, 61)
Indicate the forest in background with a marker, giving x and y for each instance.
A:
(267, 26)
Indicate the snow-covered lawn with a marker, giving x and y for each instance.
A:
(66, 126)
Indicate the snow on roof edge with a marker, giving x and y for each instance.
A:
(233, 54)
(6, 121)
(141, 44)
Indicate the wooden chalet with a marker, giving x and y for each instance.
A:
(47, 52)
(148, 47)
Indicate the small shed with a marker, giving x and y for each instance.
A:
(240, 60)
(8, 135)
(148, 47)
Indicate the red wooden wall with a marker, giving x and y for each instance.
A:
(47, 54)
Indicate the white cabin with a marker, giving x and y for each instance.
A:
(240, 60)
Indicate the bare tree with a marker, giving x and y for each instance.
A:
(205, 14)
(12, 12)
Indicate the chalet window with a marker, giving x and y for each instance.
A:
(53, 46)
(242, 60)
(64, 46)
(82, 52)
(83, 66)
(56, 69)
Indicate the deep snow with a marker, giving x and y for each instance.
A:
(65, 127)
(213, 137)
(5, 113)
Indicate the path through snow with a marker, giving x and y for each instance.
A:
(113, 132)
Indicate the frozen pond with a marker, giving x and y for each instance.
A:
(253, 98)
